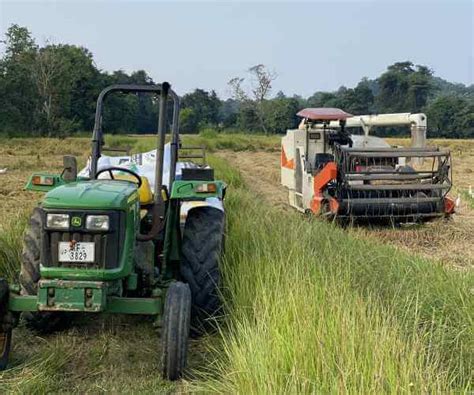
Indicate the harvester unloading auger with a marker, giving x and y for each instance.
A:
(332, 173)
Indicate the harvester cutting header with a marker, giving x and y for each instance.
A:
(333, 173)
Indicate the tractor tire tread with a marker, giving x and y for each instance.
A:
(43, 322)
(175, 332)
(201, 252)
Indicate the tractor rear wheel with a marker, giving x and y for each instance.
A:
(202, 249)
(175, 331)
(44, 322)
(5, 327)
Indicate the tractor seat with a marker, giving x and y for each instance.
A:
(144, 192)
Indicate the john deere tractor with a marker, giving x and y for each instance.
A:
(111, 244)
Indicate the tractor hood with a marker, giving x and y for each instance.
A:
(93, 194)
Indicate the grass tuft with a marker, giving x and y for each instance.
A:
(11, 245)
(40, 374)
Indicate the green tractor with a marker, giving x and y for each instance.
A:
(114, 246)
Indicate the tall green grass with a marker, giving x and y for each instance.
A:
(39, 375)
(11, 233)
(108, 354)
(312, 309)
(469, 199)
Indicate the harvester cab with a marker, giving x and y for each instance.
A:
(333, 173)
(106, 241)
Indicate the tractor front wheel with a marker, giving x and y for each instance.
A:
(202, 249)
(44, 322)
(5, 345)
(175, 331)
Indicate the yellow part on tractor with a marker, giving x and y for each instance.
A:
(144, 192)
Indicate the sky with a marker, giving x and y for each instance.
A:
(311, 46)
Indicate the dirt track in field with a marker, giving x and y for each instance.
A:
(449, 242)
(261, 173)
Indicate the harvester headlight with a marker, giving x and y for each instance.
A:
(97, 222)
(57, 221)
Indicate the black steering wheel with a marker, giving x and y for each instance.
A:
(111, 169)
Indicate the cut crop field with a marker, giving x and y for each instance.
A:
(309, 307)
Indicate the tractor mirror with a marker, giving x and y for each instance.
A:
(70, 168)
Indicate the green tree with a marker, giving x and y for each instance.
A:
(18, 93)
(451, 116)
(253, 104)
(247, 119)
(205, 109)
(188, 120)
(129, 113)
(404, 88)
(52, 89)
(228, 113)
(147, 111)
(281, 114)
(393, 87)
(360, 100)
(66, 78)
(323, 99)
(420, 87)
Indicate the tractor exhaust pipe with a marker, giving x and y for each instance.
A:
(161, 142)
(174, 138)
(158, 210)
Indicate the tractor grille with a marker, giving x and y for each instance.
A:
(108, 245)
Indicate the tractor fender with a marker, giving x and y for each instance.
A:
(4, 293)
(189, 205)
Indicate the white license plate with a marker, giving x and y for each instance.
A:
(77, 252)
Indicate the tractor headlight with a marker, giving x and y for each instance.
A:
(97, 222)
(57, 221)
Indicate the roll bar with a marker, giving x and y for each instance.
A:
(164, 91)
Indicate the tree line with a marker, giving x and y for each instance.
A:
(51, 90)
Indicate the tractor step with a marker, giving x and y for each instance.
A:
(113, 304)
